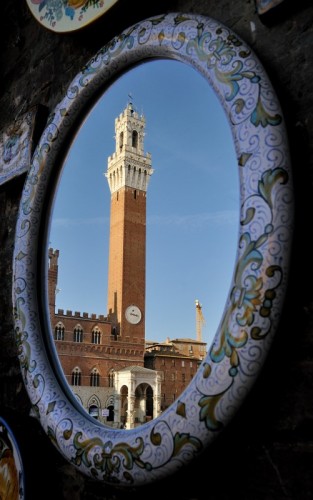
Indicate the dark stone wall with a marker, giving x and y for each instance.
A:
(267, 450)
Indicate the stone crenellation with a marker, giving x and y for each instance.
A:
(85, 315)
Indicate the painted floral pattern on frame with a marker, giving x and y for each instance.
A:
(11, 470)
(68, 15)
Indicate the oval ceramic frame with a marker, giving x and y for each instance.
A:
(253, 306)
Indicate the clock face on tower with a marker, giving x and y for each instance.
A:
(133, 314)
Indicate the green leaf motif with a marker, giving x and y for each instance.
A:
(251, 255)
(182, 440)
(207, 412)
(142, 33)
(155, 438)
(19, 314)
(269, 180)
(231, 79)
(261, 117)
(181, 409)
(250, 213)
(206, 370)
(228, 344)
(20, 256)
(51, 407)
(35, 412)
(181, 18)
(157, 20)
(181, 38)
(243, 159)
(161, 37)
(24, 353)
(250, 300)
(90, 3)
(63, 112)
(239, 105)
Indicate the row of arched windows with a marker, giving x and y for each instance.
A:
(94, 377)
(78, 334)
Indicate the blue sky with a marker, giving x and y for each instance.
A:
(192, 202)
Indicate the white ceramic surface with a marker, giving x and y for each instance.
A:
(68, 15)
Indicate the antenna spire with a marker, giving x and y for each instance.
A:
(200, 321)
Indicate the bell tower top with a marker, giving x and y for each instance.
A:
(129, 130)
(129, 165)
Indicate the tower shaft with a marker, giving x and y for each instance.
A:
(128, 174)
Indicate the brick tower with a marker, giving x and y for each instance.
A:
(128, 174)
(53, 256)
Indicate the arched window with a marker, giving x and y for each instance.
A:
(59, 331)
(121, 140)
(94, 411)
(94, 378)
(134, 139)
(111, 378)
(78, 334)
(96, 336)
(76, 376)
(110, 417)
